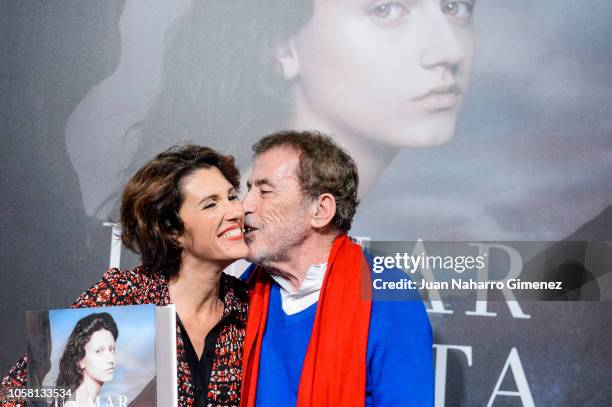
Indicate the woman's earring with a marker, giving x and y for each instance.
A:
(288, 60)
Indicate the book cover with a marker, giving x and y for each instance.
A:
(103, 357)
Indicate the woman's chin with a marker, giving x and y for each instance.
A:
(428, 135)
(237, 253)
(241, 253)
(242, 256)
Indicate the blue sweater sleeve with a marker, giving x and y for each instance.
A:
(400, 356)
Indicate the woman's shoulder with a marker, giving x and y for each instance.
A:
(125, 287)
(235, 292)
(136, 276)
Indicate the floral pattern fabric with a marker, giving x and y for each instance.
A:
(137, 286)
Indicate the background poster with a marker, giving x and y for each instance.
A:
(529, 158)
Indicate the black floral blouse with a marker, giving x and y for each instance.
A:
(136, 286)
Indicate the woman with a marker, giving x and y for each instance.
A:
(88, 360)
(181, 212)
(378, 75)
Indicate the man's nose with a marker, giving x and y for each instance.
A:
(248, 202)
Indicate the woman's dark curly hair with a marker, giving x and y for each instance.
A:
(70, 375)
(150, 221)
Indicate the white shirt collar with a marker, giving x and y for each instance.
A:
(294, 301)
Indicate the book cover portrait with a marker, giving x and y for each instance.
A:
(105, 356)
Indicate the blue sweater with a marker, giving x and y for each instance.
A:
(399, 355)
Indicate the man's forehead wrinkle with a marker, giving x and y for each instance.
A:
(289, 168)
(284, 170)
(290, 171)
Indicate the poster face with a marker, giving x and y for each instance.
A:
(469, 120)
(480, 121)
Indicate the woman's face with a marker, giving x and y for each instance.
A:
(213, 218)
(390, 71)
(99, 360)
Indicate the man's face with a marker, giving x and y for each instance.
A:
(277, 212)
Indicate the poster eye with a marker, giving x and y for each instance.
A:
(388, 12)
(458, 9)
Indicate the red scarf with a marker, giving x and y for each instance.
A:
(334, 372)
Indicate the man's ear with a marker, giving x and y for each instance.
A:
(287, 59)
(323, 211)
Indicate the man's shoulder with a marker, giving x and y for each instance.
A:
(398, 324)
(407, 311)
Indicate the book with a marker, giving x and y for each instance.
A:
(123, 356)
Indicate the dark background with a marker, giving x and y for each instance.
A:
(530, 161)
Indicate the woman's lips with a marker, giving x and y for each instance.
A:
(233, 232)
(443, 97)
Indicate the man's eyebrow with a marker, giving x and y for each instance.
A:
(259, 182)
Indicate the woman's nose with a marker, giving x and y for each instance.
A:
(441, 47)
(235, 211)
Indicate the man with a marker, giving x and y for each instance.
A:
(314, 336)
